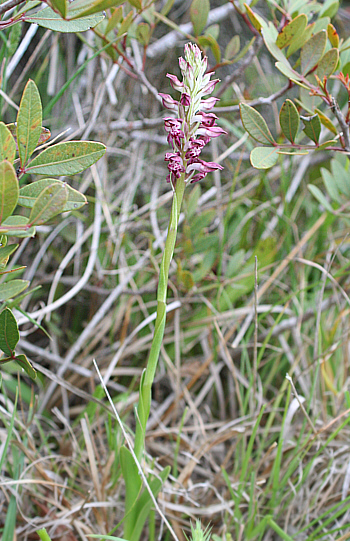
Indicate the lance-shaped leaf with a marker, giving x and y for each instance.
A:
(9, 334)
(8, 290)
(312, 127)
(5, 252)
(30, 193)
(50, 202)
(17, 226)
(7, 144)
(263, 157)
(289, 120)
(255, 124)
(341, 178)
(29, 120)
(44, 136)
(269, 34)
(47, 18)
(133, 486)
(327, 64)
(67, 158)
(313, 51)
(331, 185)
(83, 8)
(199, 12)
(145, 503)
(296, 26)
(9, 190)
(316, 192)
(115, 19)
(25, 364)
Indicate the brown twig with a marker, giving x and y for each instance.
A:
(342, 123)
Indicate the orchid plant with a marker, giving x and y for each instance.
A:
(188, 133)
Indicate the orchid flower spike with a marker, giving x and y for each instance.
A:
(194, 126)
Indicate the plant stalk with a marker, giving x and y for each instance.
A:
(144, 405)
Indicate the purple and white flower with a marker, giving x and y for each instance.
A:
(194, 126)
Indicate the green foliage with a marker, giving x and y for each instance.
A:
(320, 55)
(46, 198)
(199, 15)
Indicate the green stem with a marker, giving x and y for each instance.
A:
(144, 404)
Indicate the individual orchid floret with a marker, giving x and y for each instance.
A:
(169, 102)
(194, 126)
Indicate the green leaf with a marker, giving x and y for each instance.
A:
(20, 222)
(67, 158)
(145, 502)
(50, 202)
(60, 6)
(105, 537)
(125, 25)
(327, 64)
(115, 19)
(133, 485)
(269, 34)
(30, 4)
(326, 144)
(213, 30)
(329, 9)
(199, 12)
(208, 41)
(47, 18)
(300, 39)
(5, 252)
(326, 122)
(232, 47)
(82, 8)
(333, 36)
(9, 335)
(7, 144)
(312, 127)
(28, 194)
(313, 51)
(255, 124)
(13, 40)
(136, 3)
(29, 121)
(25, 364)
(290, 74)
(316, 192)
(264, 157)
(44, 136)
(167, 7)
(143, 33)
(255, 19)
(8, 290)
(296, 26)
(330, 185)
(289, 120)
(341, 177)
(9, 190)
